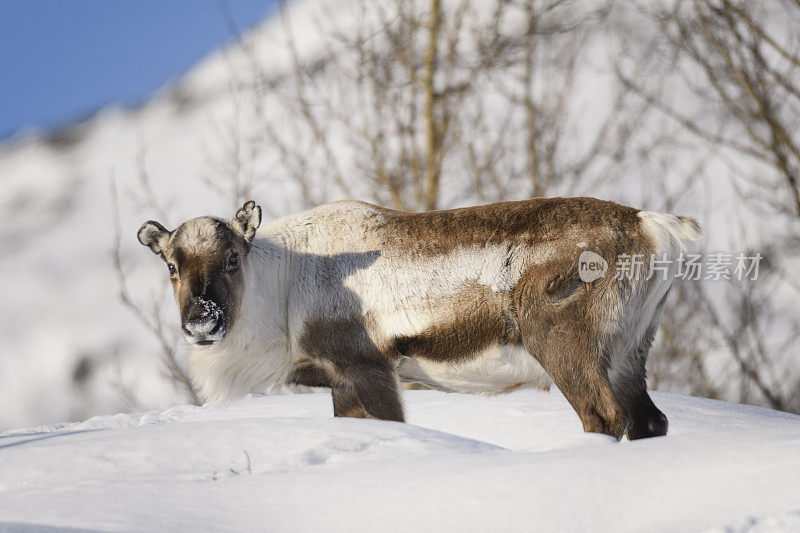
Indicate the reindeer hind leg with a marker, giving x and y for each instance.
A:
(629, 380)
(577, 370)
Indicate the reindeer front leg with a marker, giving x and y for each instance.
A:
(362, 380)
(366, 390)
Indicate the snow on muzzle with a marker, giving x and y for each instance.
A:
(203, 322)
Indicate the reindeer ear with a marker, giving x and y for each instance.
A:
(247, 220)
(154, 235)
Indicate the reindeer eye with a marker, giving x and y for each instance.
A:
(172, 270)
(233, 261)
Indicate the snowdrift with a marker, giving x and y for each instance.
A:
(518, 462)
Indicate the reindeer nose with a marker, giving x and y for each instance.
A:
(202, 317)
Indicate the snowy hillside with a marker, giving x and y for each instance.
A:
(69, 349)
(519, 462)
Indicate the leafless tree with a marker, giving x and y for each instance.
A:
(742, 62)
(148, 315)
(421, 97)
(736, 66)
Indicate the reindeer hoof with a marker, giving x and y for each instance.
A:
(654, 425)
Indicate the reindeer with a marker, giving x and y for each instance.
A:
(351, 297)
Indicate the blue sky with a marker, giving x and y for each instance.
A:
(61, 60)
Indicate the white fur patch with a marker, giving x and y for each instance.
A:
(199, 235)
(403, 293)
(669, 233)
(496, 370)
(254, 356)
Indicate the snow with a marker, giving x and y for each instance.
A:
(517, 462)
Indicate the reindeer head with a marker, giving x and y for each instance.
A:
(204, 257)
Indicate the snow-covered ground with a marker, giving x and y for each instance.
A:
(518, 462)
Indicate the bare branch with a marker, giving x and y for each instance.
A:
(150, 320)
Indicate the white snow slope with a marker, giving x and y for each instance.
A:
(518, 462)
